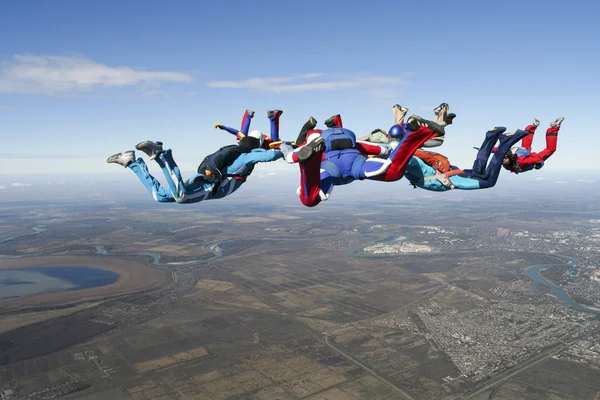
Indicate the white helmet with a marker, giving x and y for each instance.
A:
(257, 135)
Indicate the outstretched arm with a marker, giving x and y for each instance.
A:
(262, 156)
(238, 135)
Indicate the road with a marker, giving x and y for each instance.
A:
(487, 385)
(369, 370)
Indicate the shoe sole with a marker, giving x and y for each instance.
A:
(418, 121)
(309, 149)
(141, 147)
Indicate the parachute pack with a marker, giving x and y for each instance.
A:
(435, 160)
(214, 163)
(338, 139)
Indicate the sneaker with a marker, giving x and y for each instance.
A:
(310, 149)
(150, 148)
(556, 123)
(536, 122)
(400, 108)
(334, 122)
(274, 113)
(415, 122)
(123, 159)
(307, 127)
(444, 107)
(441, 114)
(310, 124)
(250, 113)
(399, 114)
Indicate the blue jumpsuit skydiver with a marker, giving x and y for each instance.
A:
(426, 177)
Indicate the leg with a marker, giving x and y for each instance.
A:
(492, 172)
(443, 118)
(528, 140)
(334, 122)
(159, 193)
(307, 127)
(399, 114)
(274, 119)
(172, 175)
(248, 114)
(483, 155)
(310, 182)
(419, 131)
(366, 148)
(551, 139)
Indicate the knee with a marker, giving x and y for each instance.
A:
(310, 201)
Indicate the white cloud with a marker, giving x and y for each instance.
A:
(540, 179)
(2, 187)
(308, 82)
(59, 74)
(586, 180)
(561, 182)
(18, 184)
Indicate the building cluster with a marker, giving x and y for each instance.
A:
(489, 339)
(397, 247)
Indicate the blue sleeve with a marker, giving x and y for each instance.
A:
(230, 130)
(260, 155)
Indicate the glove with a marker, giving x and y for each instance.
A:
(217, 125)
(285, 149)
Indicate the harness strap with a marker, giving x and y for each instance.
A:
(443, 177)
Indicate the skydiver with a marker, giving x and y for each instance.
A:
(270, 142)
(219, 175)
(521, 159)
(333, 157)
(442, 176)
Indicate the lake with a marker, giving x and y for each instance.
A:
(25, 282)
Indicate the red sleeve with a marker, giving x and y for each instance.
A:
(529, 160)
(369, 149)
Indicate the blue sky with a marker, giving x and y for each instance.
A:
(80, 81)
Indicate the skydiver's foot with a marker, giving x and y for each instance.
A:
(449, 118)
(250, 113)
(123, 159)
(334, 122)
(556, 123)
(441, 114)
(415, 122)
(399, 114)
(274, 113)
(400, 108)
(150, 148)
(311, 148)
(513, 136)
(310, 124)
(536, 122)
(307, 127)
(441, 108)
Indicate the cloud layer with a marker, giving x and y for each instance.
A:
(307, 82)
(59, 74)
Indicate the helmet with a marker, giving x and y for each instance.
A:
(396, 132)
(257, 135)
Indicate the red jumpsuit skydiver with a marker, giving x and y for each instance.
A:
(522, 159)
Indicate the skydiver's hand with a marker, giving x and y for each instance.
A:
(218, 125)
(285, 149)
